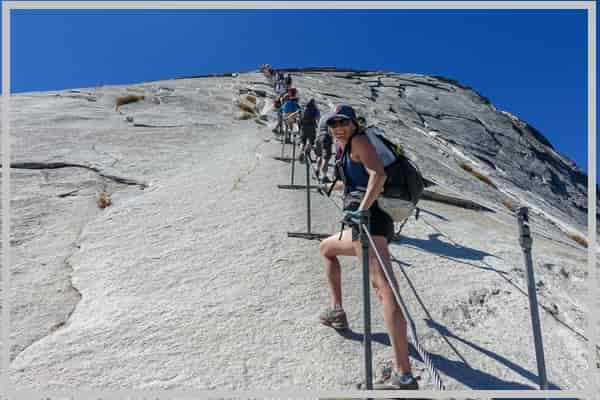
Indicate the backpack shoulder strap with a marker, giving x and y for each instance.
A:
(346, 153)
(348, 147)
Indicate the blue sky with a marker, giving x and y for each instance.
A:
(532, 63)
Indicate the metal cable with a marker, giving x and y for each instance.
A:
(412, 331)
(315, 176)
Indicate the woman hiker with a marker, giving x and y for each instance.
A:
(362, 167)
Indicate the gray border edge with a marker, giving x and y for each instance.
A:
(592, 248)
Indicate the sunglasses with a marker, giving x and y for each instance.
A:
(334, 123)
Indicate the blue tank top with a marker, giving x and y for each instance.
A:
(355, 173)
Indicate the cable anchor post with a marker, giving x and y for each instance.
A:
(526, 241)
(364, 242)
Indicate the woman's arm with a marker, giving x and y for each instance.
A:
(365, 152)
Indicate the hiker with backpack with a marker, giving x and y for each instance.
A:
(364, 178)
(323, 151)
(280, 89)
(277, 103)
(310, 119)
(291, 111)
(288, 81)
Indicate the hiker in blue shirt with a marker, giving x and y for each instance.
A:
(291, 110)
(362, 168)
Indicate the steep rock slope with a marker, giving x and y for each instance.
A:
(188, 279)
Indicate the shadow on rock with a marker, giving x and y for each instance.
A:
(438, 216)
(467, 375)
(460, 371)
(476, 379)
(434, 245)
(381, 338)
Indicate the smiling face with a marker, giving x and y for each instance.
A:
(341, 129)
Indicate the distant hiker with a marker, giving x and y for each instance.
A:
(291, 111)
(310, 120)
(267, 70)
(279, 79)
(323, 145)
(277, 103)
(280, 88)
(288, 80)
(292, 93)
(362, 167)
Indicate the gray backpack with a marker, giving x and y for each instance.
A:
(404, 185)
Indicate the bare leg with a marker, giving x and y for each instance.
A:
(325, 165)
(331, 248)
(392, 314)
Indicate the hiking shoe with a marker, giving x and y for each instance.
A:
(335, 318)
(402, 384)
(325, 179)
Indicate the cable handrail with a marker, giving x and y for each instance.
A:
(412, 331)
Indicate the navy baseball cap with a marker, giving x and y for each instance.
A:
(342, 111)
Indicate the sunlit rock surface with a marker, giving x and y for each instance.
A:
(189, 281)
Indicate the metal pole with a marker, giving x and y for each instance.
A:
(364, 241)
(525, 240)
(293, 157)
(307, 193)
(283, 144)
(280, 119)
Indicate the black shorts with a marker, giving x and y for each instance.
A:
(323, 147)
(309, 134)
(380, 224)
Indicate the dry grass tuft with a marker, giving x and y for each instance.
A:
(478, 175)
(582, 241)
(509, 204)
(104, 200)
(246, 116)
(130, 98)
(246, 108)
(466, 167)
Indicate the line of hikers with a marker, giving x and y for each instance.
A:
(307, 121)
(366, 174)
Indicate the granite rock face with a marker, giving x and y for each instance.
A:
(187, 279)
(436, 116)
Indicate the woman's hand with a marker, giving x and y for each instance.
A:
(353, 217)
